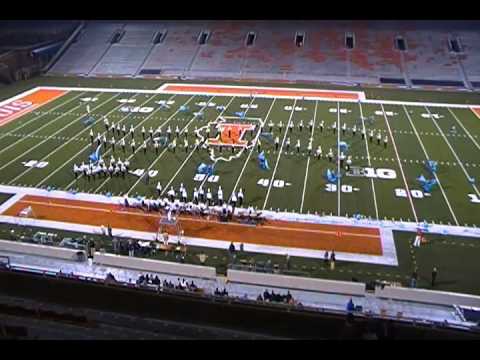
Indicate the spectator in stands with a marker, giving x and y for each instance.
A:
(350, 305)
(110, 233)
(259, 297)
(414, 278)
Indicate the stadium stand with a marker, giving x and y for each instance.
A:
(407, 53)
(88, 49)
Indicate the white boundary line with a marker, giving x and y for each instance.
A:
(69, 112)
(428, 158)
(279, 155)
(452, 150)
(62, 145)
(328, 99)
(464, 129)
(400, 165)
(369, 161)
(308, 159)
(48, 112)
(54, 134)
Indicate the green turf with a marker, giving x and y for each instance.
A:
(55, 133)
(4, 197)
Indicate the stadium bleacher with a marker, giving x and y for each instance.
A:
(374, 58)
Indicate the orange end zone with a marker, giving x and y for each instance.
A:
(272, 233)
(16, 108)
(476, 111)
(262, 91)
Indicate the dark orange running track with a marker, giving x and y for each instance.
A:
(285, 234)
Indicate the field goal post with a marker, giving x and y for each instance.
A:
(164, 223)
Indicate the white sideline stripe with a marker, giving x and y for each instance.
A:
(400, 164)
(308, 159)
(464, 129)
(48, 112)
(279, 154)
(136, 127)
(453, 151)
(103, 133)
(54, 134)
(253, 148)
(159, 90)
(369, 162)
(166, 149)
(338, 159)
(192, 152)
(428, 157)
(40, 128)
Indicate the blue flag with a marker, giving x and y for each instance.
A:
(426, 184)
(87, 121)
(331, 176)
(343, 146)
(432, 166)
(262, 161)
(240, 114)
(205, 169)
(95, 156)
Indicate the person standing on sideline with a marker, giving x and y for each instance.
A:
(413, 280)
(434, 275)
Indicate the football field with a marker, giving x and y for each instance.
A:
(39, 147)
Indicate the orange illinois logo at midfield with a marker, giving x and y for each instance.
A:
(231, 134)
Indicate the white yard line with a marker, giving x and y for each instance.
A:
(279, 155)
(464, 129)
(338, 159)
(58, 148)
(48, 112)
(54, 134)
(192, 152)
(452, 150)
(369, 161)
(109, 149)
(253, 148)
(308, 159)
(148, 139)
(166, 149)
(40, 128)
(409, 195)
(428, 158)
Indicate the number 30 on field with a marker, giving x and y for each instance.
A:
(343, 188)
